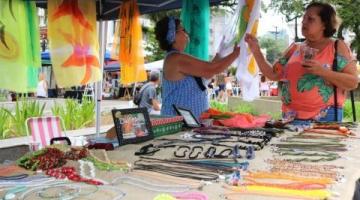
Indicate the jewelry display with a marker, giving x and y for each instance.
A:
(265, 190)
(170, 179)
(149, 185)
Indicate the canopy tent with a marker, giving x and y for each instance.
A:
(109, 10)
(114, 66)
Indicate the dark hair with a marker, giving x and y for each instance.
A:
(161, 30)
(328, 16)
(154, 76)
(263, 78)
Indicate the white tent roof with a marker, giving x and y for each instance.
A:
(156, 65)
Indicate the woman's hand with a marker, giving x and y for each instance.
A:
(314, 67)
(252, 43)
(236, 50)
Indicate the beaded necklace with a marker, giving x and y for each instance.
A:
(166, 178)
(309, 194)
(283, 176)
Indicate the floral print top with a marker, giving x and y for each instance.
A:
(307, 96)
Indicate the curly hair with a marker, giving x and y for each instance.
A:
(328, 16)
(161, 30)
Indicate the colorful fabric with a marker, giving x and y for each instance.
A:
(74, 44)
(130, 49)
(307, 96)
(236, 120)
(195, 17)
(245, 20)
(19, 45)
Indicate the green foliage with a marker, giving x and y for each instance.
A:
(219, 106)
(246, 108)
(274, 48)
(4, 123)
(345, 8)
(75, 115)
(24, 109)
(348, 116)
(232, 70)
(242, 108)
(153, 47)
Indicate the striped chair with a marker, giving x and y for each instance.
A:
(43, 129)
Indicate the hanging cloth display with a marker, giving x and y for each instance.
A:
(19, 45)
(74, 46)
(195, 17)
(131, 52)
(245, 20)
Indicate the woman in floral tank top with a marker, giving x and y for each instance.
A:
(307, 83)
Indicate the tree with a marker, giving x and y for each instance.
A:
(292, 9)
(274, 48)
(152, 46)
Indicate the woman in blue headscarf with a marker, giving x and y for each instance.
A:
(179, 87)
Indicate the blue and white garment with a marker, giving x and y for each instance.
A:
(184, 93)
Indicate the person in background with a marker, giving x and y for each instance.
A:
(229, 85)
(307, 83)
(179, 86)
(220, 81)
(42, 87)
(148, 94)
(264, 86)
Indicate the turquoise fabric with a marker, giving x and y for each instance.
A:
(183, 93)
(195, 17)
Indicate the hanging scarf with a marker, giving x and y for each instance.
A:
(19, 45)
(74, 46)
(195, 17)
(130, 51)
(245, 20)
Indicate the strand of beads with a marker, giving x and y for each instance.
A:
(91, 169)
(71, 174)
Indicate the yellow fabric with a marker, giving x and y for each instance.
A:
(131, 53)
(74, 47)
(19, 46)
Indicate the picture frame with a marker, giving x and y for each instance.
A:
(189, 118)
(132, 125)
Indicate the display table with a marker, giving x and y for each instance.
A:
(343, 190)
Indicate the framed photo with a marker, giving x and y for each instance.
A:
(132, 125)
(189, 118)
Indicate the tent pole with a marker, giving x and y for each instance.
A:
(98, 85)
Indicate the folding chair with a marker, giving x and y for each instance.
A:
(43, 130)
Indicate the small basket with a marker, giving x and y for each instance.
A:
(165, 125)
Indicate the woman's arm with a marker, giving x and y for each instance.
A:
(264, 65)
(346, 79)
(190, 65)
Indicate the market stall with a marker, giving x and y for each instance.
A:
(213, 162)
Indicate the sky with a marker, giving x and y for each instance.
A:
(270, 20)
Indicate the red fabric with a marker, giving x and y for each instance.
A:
(245, 121)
